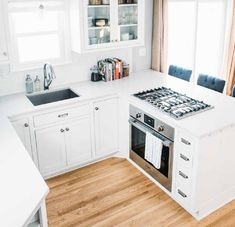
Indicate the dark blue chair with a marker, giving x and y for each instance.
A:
(233, 94)
(181, 73)
(211, 82)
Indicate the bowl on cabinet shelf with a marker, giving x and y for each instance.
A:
(95, 2)
(101, 22)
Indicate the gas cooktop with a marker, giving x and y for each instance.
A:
(173, 103)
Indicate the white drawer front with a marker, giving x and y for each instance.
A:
(185, 159)
(186, 143)
(183, 185)
(186, 149)
(182, 197)
(61, 115)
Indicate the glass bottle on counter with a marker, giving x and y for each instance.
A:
(126, 69)
(37, 84)
(29, 84)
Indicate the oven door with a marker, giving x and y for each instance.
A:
(137, 153)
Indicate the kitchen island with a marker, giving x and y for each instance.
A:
(211, 133)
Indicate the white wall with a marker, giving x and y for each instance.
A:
(78, 70)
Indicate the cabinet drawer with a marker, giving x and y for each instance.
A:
(186, 149)
(184, 180)
(182, 197)
(61, 115)
(183, 184)
(185, 158)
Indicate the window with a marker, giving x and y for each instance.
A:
(38, 31)
(197, 31)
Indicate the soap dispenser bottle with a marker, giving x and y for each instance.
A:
(29, 84)
(37, 84)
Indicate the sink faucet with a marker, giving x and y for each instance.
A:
(49, 75)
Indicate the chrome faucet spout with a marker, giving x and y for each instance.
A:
(49, 75)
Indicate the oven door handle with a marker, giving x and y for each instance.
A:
(145, 129)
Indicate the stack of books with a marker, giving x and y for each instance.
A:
(111, 69)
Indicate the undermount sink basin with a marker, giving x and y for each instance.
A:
(51, 96)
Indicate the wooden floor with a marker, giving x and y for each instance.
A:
(114, 193)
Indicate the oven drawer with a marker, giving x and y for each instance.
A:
(61, 115)
(164, 181)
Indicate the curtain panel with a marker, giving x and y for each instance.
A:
(230, 67)
(159, 45)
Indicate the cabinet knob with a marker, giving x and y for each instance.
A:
(4, 53)
(67, 129)
(61, 130)
(26, 125)
(96, 108)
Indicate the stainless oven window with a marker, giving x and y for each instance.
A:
(138, 138)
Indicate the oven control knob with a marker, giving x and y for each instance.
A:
(138, 115)
(161, 128)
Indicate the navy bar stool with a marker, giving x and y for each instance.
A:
(233, 94)
(179, 72)
(211, 82)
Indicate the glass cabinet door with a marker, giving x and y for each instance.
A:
(98, 21)
(128, 20)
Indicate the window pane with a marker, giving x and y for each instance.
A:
(38, 21)
(18, 4)
(210, 37)
(181, 33)
(29, 50)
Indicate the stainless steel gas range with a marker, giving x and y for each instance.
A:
(142, 124)
(173, 103)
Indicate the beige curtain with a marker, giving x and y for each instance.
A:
(159, 45)
(230, 66)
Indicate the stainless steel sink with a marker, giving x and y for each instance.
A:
(52, 96)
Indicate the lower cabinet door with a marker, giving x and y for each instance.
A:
(51, 149)
(78, 141)
(22, 129)
(106, 126)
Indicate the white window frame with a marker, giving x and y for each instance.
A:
(64, 34)
(224, 44)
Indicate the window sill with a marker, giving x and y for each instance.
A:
(35, 66)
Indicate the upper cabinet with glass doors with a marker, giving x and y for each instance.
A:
(106, 24)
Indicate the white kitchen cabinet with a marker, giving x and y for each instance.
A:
(64, 146)
(78, 141)
(3, 45)
(51, 149)
(124, 26)
(23, 131)
(106, 126)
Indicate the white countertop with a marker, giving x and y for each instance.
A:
(23, 188)
(221, 116)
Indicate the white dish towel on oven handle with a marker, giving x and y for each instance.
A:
(153, 150)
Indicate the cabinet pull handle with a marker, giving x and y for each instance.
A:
(96, 108)
(67, 129)
(26, 125)
(63, 115)
(61, 130)
(182, 194)
(185, 141)
(183, 175)
(184, 157)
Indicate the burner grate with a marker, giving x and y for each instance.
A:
(173, 103)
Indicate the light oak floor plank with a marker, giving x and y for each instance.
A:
(114, 193)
